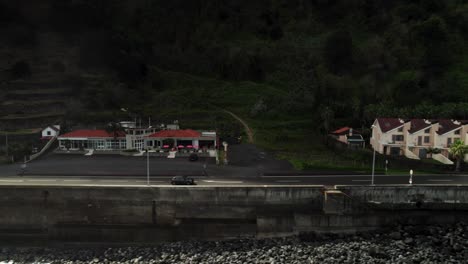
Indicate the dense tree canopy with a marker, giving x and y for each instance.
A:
(340, 61)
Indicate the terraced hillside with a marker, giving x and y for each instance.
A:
(45, 85)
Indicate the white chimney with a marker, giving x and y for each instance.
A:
(350, 132)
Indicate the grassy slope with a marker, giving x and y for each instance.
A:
(195, 102)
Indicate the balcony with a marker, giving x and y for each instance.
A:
(394, 143)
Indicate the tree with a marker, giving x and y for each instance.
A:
(114, 128)
(431, 151)
(338, 51)
(458, 151)
(326, 114)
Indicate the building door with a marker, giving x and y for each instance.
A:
(394, 151)
(422, 153)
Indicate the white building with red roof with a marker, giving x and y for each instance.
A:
(180, 138)
(137, 138)
(349, 136)
(97, 139)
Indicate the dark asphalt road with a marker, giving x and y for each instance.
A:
(119, 170)
(327, 180)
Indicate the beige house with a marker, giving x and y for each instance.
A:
(388, 135)
(414, 138)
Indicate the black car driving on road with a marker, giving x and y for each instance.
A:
(182, 180)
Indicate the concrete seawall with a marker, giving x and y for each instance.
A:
(154, 214)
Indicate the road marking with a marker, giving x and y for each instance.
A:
(41, 180)
(76, 180)
(211, 181)
(440, 180)
(315, 176)
(150, 181)
(361, 180)
(288, 181)
(12, 180)
(112, 181)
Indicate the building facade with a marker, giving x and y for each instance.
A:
(349, 136)
(85, 139)
(137, 138)
(418, 138)
(50, 132)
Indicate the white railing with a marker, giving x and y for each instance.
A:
(442, 159)
(46, 147)
(410, 154)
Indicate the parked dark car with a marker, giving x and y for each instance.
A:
(193, 157)
(182, 180)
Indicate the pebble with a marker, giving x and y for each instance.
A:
(413, 245)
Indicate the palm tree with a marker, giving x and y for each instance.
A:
(458, 151)
(114, 128)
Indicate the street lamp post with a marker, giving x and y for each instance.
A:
(386, 166)
(373, 167)
(373, 161)
(6, 143)
(130, 114)
(225, 144)
(411, 177)
(147, 167)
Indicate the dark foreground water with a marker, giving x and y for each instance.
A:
(408, 244)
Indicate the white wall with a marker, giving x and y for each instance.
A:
(412, 139)
(442, 139)
(53, 132)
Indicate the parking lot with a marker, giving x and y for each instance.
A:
(244, 160)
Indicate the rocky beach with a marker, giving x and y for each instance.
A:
(401, 244)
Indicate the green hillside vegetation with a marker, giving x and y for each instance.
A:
(292, 69)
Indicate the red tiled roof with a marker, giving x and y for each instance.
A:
(88, 133)
(418, 125)
(342, 130)
(387, 124)
(446, 125)
(345, 130)
(187, 133)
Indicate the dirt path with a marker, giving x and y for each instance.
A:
(248, 130)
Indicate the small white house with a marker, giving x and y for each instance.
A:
(50, 131)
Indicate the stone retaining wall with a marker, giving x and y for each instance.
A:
(153, 214)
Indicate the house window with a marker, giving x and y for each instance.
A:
(397, 138)
(400, 129)
(457, 132)
(427, 131)
(48, 133)
(449, 141)
(426, 139)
